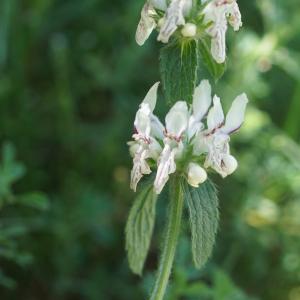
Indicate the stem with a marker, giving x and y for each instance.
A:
(169, 246)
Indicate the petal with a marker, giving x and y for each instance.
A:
(157, 128)
(173, 18)
(229, 164)
(215, 116)
(154, 149)
(235, 18)
(218, 45)
(236, 114)
(177, 119)
(218, 148)
(159, 4)
(151, 96)
(140, 167)
(200, 144)
(166, 166)
(194, 127)
(146, 24)
(201, 100)
(142, 122)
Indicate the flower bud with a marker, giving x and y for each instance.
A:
(230, 163)
(160, 22)
(189, 30)
(133, 147)
(196, 175)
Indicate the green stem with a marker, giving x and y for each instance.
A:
(169, 246)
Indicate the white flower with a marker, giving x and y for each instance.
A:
(181, 127)
(201, 104)
(146, 24)
(176, 124)
(196, 175)
(174, 17)
(219, 13)
(215, 140)
(145, 146)
(184, 132)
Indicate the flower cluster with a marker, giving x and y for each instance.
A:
(215, 16)
(192, 140)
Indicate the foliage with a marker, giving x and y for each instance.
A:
(139, 227)
(178, 66)
(204, 217)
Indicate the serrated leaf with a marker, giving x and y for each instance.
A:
(216, 70)
(204, 217)
(178, 66)
(139, 227)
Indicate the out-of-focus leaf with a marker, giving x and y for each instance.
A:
(178, 67)
(36, 200)
(139, 227)
(204, 217)
(6, 281)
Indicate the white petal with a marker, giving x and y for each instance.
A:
(142, 122)
(201, 100)
(146, 24)
(199, 144)
(230, 164)
(218, 148)
(187, 7)
(140, 167)
(173, 18)
(235, 18)
(151, 96)
(177, 119)
(196, 175)
(157, 128)
(236, 114)
(215, 116)
(194, 127)
(155, 149)
(218, 45)
(166, 166)
(160, 4)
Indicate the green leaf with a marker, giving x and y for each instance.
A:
(10, 170)
(216, 70)
(139, 227)
(178, 66)
(35, 200)
(204, 217)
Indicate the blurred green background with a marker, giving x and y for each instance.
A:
(71, 79)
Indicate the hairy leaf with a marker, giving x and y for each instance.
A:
(139, 227)
(178, 66)
(216, 70)
(204, 217)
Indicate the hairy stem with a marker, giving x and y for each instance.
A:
(170, 242)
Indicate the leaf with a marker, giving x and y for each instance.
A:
(139, 227)
(216, 70)
(178, 66)
(35, 200)
(204, 217)
(10, 169)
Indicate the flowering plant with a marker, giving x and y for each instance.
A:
(184, 138)
(194, 137)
